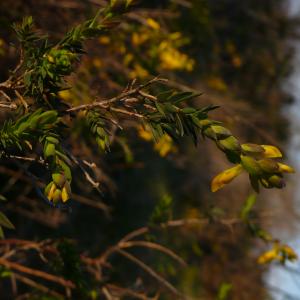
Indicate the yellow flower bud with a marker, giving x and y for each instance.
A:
(230, 144)
(51, 191)
(65, 195)
(276, 181)
(59, 179)
(285, 168)
(57, 196)
(268, 165)
(268, 256)
(271, 151)
(252, 148)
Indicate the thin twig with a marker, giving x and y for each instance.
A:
(9, 106)
(36, 273)
(22, 100)
(37, 286)
(154, 246)
(151, 272)
(122, 292)
(123, 96)
(5, 96)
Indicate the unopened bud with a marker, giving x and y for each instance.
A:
(251, 165)
(230, 144)
(268, 165)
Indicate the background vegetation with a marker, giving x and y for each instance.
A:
(141, 221)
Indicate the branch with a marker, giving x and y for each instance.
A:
(123, 96)
(154, 246)
(37, 286)
(8, 106)
(36, 273)
(151, 272)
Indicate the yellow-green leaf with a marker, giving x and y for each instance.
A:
(5, 222)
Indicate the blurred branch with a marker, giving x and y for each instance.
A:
(37, 286)
(36, 273)
(151, 272)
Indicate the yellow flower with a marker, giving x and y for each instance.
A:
(289, 253)
(50, 58)
(164, 146)
(285, 168)
(128, 58)
(279, 252)
(268, 256)
(225, 177)
(175, 36)
(104, 40)
(65, 95)
(139, 38)
(217, 84)
(97, 62)
(271, 151)
(138, 71)
(153, 24)
(236, 61)
(145, 134)
(172, 59)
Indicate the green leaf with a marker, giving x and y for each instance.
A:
(184, 96)
(4, 221)
(247, 207)
(49, 150)
(224, 290)
(2, 198)
(179, 125)
(160, 108)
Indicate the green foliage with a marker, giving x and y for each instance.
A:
(162, 211)
(44, 121)
(247, 207)
(224, 291)
(98, 127)
(29, 127)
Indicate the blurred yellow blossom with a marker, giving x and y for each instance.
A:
(163, 146)
(279, 252)
(65, 95)
(268, 256)
(104, 40)
(236, 61)
(217, 84)
(97, 62)
(2, 45)
(139, 38)
(173, 59)
(138, 72)
(145, 134)
(153, 24)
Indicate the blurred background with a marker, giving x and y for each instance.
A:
(243, 56)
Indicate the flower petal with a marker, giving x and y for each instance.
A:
(225, 177)
(285, 168)
(271, 151)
